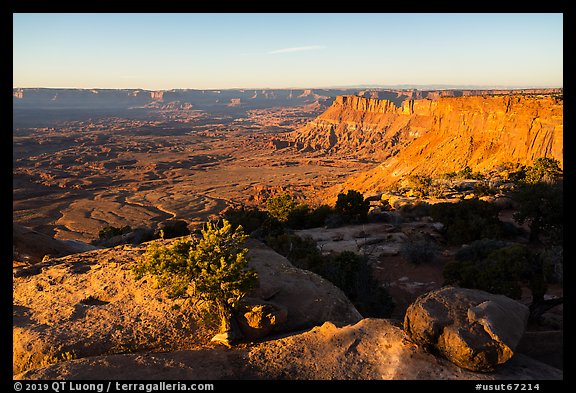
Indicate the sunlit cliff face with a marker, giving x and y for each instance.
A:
(436, 136)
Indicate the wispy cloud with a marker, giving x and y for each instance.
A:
(297, 49)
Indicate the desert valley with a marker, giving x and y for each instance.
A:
(393, 232)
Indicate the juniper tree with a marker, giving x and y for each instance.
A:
(211, 268)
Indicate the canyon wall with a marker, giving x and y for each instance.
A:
(48, 98)
(365, 127)
(40, 98)
(436, 136)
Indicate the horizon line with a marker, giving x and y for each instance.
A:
(403, 86)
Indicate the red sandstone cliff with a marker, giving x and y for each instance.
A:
(436, 136)
(365, 127)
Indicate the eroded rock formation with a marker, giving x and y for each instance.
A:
(432, 137)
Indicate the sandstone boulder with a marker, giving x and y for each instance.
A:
(474, 329)
(308, 299)
(257, 319)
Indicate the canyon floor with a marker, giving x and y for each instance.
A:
(75, 177)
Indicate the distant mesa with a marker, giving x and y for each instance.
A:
(43, 98)
(124, 99)
(157, 95)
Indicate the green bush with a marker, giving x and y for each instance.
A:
(172, 229)
(109, 232)
(503, 271)
(482, 188)
(541, 205)
(351, 273)
(298, 217)
(281, 206)
(261, 224)
(479, 250)
(420, 251)
(414, 209)
(257, 223)
(352, 207)
(212, 268)
(302, 252)
(465, 173)
(347, 270)
(317, 217)
(467, 220)
(421, 185)
(544, 169)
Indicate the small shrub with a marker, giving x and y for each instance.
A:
(351, 273)
(257, 223)
(302, 252)
(542, 206)
(172, 229)
(334, 221)
(317, 217)
(48, 359)
(421, 251)
(298, 217)
(467, 220)
(347, 270)
(109, 232)
(421, 185)
(544, 169)
(482, 188)
(281, 206)
(464, 173)
(438, 189)
(479, 250)
(352, 207)
(414, 209)
(503, 271)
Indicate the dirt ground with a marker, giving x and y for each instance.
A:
(71, 180)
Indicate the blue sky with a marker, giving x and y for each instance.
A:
(204, 51)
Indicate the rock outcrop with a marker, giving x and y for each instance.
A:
(434, 136)
(89, 304)
(309, 299)
(29, 246)
(372, 349)
(364, 127)
(518, 127)
(474, 329)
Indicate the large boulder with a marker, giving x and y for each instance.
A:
(308, 299)
(474, 329)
